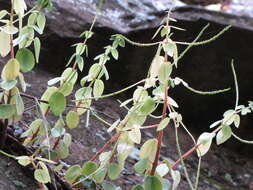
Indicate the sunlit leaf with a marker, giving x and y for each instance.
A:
(23, 160)
(72, 119)
(164, 123)
(11, 70)
(162, 169)
(98, 88)
(37, 46)
(5, 47)
(148, 150)
(224, 134)
(41, 21)
(141, 165)
(164, 72)
(135, 134)
(8, 84)
(148, 107)
(57, 103)
(205, 141)
(176, 179)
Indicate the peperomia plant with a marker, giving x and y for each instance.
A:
(52, 142)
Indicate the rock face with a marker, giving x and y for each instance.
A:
(124, 16)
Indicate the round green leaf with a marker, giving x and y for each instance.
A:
(98, 88)
(148, 107)
(26, 59)
(114, 171)
(72, 173)
(42, 176)
(88, 168)
(46, 96)
(99, 176)
(5, 47)
(8, 84)
(57, 103)
(11, 70)
(152, 183)
(164, 72)
(6, 111)
(72, 119)
(163, 124)
(148, 149)
(108, 186)
(141, 166)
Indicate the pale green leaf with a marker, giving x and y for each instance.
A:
(57, 103)
(176, 179)
(148, 106)
(72, 119)
(41, 21)
(23, 160)
(5, 47)
(141, 165)
(135, 134)
(89, 168)
(205, 141)
(164, 72)
(162, 169)
(98, 88)
(37, 46)
(148, 149)
(42, 175)
(164, 123)
(237, 120)
(224, 134)
(11, 70)
(8, 84)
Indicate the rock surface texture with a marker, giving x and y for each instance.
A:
(71, 17)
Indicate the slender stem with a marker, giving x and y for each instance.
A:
(113, 139)
(100, 119)
(242, 140)
(198, 174)
(185, 155)
(182, 160)
(114, 93)
(160, 134)
(8, 155)
(195, 40)
(207, 92)
(236, 84)
(208, 40)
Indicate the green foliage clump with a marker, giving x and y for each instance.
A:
(53, 142)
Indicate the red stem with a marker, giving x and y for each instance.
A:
(113, 139)
(160, 134)
(185, 155)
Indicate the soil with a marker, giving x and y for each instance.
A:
(222, 168)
